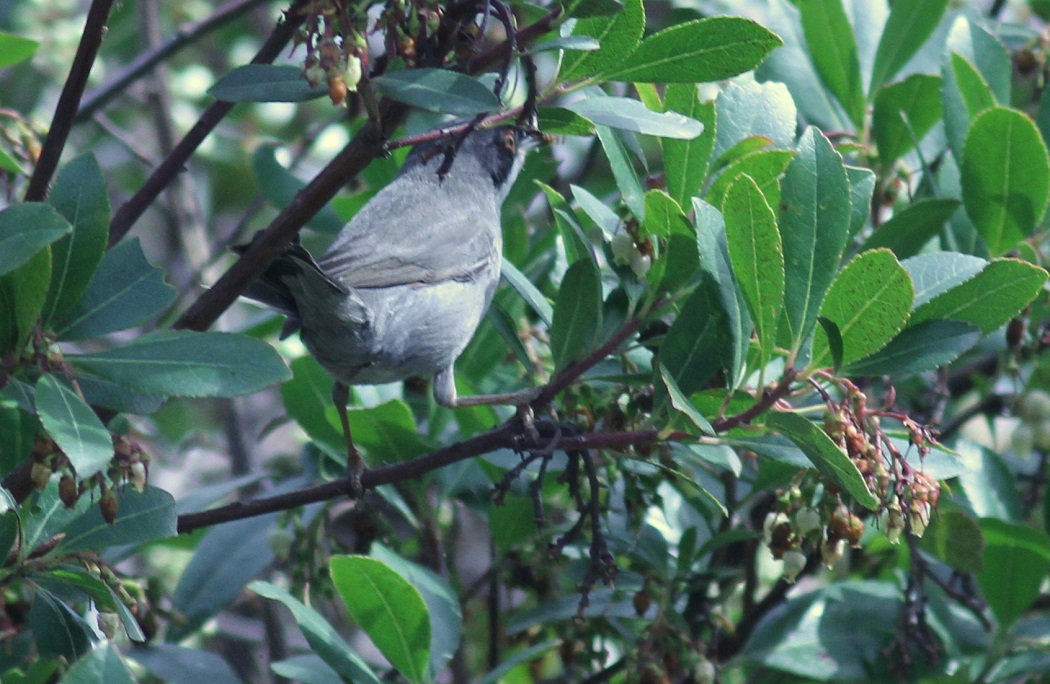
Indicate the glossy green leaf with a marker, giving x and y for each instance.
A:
(307, 398)
(279, 186)
(827, 456)
(903, 114)
(389, 609)
(561, 121)
(1005, 177)
(989, 299)
(757, 255)
(985, 50)
(664, 217)
(102, 665)
(631, 115)
(15, 49)
(814, 223)
(188, 364)
(585, 43)
(22, 294)
(306, 669)
(57, 630)
(908, 27)
(861, 189)
(956, 539)
(26, 229)
(583, 9)
(125, 291)
(80, 197)
(922, 347)
(765, 168)
(986, 485)
(937, 272)
(914, 226)
(438, 90)
(104, 597)
(141, 517)
(387, 431)
(176, 664)
(577, 313)
(964, 94)
(1016, 561)
(50, 516)
(618, 34)
(443, 605)
(323, 639)
(869, 302)
(681, 403)
(747, 108)
(833, 50)
(704, 50)
(695, 346)
(532, 296)
(74, 427)
(265, 83)
(686, 161)
(626, 179)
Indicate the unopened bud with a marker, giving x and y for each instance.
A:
(794, 563)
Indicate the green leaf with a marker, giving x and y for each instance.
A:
(681, 403)
(1005, 177)
(964, 94)
(626, 180)
(443, 606)
(757, 255)
(74, 427)
(956, 539)
(985, 50)
(765, 168)
(577, 313)
(561, 121)
(103, 665)
(438, 90)
(585, 43)
(386, 431)
(909, 230)
(15, 49)
(307, 397)
(686, 161)
(695, 346)
(57, 630)
(907, 28)
(833, 50)
(748, 109)
(532, 296)
(99, 592)
(937, 272)
(141, 517)
(861, 189)
(265, 83)
(80, 197)
(323, 639)
(1016, 560)
(188, 364)
(664, 217)
(697, 51)
(903, 114)
(869, 302)
(125, 291)
(631, 115)
(618, 34)
(827, 456)
(22, 294)
(26, 229)
(279, 186)
(175, 664)
(814, 223)
(922, 347)
(989, 299)
(389, 609)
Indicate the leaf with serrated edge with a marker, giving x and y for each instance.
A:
(74, 427)
(829, 459)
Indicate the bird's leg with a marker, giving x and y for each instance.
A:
(355, 465)
(445, 395)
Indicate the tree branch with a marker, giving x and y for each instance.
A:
(146, 61)
(130, 212)
(66, 109)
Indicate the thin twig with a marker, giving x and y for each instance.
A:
(66, 109)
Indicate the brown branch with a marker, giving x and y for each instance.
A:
(132, 210)
(145, 62)
(66, 109)
(769, 398)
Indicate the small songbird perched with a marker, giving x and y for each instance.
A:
(403, 287)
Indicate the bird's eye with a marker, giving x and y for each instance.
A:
(509, 140)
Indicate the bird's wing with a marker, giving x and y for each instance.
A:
(391, 243)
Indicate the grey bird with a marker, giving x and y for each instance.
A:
(403, 287)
